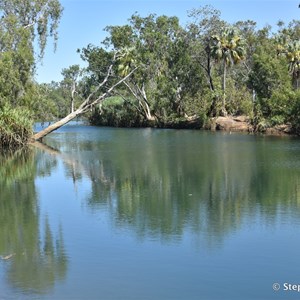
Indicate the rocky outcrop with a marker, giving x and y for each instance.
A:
(279, 130)
(232, 124)
(243, 124)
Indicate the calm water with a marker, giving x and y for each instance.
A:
(104, 213)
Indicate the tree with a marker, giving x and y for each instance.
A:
(51, 101)
(70, 82)
(154, 44)
(25, 27)
(229, 48)
(40, 18)
(126, 58)
(23, 23)
(94, 98)
(270, 80)
(291, 51)
(206, 23)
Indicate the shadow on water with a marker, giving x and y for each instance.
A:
(31, 254)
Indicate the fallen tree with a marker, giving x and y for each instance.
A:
(90, 102)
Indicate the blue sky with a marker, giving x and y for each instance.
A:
(83, 22)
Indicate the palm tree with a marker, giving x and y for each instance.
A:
(126, 58)
(229, 48)
(291, 50)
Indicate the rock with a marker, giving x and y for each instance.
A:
(242, 124)
(284, 129)
(234, 124)
(241, 119)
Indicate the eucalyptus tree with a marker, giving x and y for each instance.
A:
(38, 18)
(126, 57)
(51, 103)
(270, 79)
(25, 28)
(98, 92)
(228, 48)
(71, 77)
(205, 22)
(249, 33)
(157, 45)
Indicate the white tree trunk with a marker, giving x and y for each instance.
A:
(86, 105)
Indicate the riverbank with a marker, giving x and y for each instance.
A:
(244, 124)
(241, 124)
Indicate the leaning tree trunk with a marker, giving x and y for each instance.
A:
(85, 106)
(56, 125)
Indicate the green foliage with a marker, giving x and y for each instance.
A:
(179, 76)
(295, 113)
(290, 49)
(118, 113)
(199, 71)
(280, 106)
(22, 24)
(36, 18)
(269, 76)
(239, 100)
(126, 60)
(50, 102)
(15, 127)
(228, 46)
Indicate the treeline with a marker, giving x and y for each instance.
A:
(187, 75)
(183, 75)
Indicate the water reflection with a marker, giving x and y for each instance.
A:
(32, 254)
(161, 183)
(190, 196)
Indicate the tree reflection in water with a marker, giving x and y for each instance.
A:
(34, 257)
(161, 183)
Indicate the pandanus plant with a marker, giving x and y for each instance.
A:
(228, 48)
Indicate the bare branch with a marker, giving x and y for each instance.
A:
(104, 95)
(84, 107)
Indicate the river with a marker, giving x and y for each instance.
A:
(111, 213)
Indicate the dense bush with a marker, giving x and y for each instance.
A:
(15, 127)
(117, 113)
(294, 116)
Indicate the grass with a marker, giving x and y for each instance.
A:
(15, 127)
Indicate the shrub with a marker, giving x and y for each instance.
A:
(295, 113)
(15, 127)
(117, 113)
